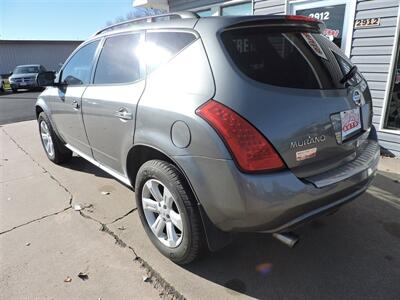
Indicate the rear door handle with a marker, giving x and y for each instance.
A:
(75, 104)
(123, 113)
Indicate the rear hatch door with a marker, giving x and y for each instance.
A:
(291, 89)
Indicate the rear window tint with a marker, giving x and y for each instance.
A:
(162, 46)
(287, 59)
(345, 65)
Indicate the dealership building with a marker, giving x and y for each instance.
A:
(50, 54)
(366, 30)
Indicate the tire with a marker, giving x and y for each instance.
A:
(190, 243)
(57, 153)
(14, 90)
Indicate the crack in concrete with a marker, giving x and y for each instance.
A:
(40, 166)
(117, 239)
(125, 215)
(166, 290)
(35, 220)
(51, 177)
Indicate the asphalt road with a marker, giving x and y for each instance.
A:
(17, 107)
(353, 254)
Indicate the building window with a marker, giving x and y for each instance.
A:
(393, 109)
(332, 16)
(335, 14)
(242, 9)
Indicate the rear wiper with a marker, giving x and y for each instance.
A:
(349, 74)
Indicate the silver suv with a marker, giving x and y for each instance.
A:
(24, 77)
(220, 124)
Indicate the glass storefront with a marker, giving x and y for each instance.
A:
(393, 106)
(334, 13)
(332, 16)
(243, 9)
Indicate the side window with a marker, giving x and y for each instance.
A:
(77, 71)
(162, 46)
(118, 61)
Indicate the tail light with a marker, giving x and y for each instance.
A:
(250, 149)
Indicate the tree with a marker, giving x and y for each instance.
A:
(137, 13)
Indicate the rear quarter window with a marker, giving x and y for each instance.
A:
(286, 59)
(163, 46)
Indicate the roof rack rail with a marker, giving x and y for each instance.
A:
(150, 19)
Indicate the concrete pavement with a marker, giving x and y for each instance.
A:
(43, 240)
(354, 254)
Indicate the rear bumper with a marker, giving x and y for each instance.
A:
(273, 202)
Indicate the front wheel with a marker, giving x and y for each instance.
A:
(168, 211)
(54, 148)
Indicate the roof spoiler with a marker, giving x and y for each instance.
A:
(289, 21)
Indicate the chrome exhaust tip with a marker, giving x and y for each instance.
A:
(288, 238)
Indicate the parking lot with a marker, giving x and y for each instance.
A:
(15, 107)
(56, 222)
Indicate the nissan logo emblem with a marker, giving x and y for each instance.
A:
(357, 97)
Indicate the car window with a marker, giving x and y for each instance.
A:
(78, 69)
(287, 59)
(26, 70)
(162, 46)
(118, 61)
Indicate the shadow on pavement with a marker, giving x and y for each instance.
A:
(80, 164)
(352, 254)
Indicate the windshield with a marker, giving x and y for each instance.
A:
(285, 58)
(25, 70)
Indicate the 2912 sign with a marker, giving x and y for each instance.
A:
(323, 15)
(367, 22)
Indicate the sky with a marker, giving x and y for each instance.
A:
(58, 19)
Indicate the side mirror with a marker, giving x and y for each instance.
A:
(45, 79)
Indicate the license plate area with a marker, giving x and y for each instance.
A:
(346, 124)
(350, 123)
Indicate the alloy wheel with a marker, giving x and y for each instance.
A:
(162, 213)
(46, 138)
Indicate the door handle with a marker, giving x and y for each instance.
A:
(124, 114)
(75, 104)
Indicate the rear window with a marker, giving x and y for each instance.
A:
(345, 65)
(287, 59)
